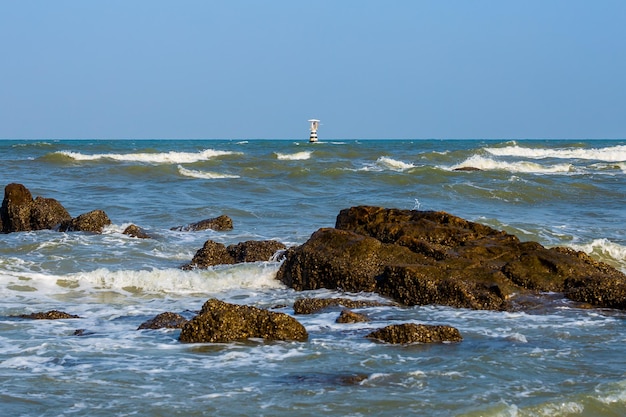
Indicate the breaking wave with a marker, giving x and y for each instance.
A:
(203, 174)
(393, 164)
(488, 164)
(608, 154)
(298, 156)
(151, 158)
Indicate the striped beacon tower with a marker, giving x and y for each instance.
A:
(314, 125)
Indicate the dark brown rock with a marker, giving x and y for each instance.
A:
(165, 320)
(211, 254)
(20, 213)
(93, 222)
(16, 208)
(47, 213)
(348, 316)
(313, 305)
(426, 257)
(220, 322)
(49, 315)
(136, 231)
(416, 333)
(339, 259)
(255, 250)
(220, 223)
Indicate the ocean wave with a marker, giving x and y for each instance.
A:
(488, 164)
(151, 158)
(607, 251)
(608, 154)
(298, 156)
(202, 174)
(393, 164)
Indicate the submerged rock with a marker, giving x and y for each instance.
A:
(313, 305)
(220, 322)
(167, 320)
(49, 315)
(93, 221)
(136, 231)
(347, 317)
(416, 333)
(220, 223)
(427, 257)
(214, 253)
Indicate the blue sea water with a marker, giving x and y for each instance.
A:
(557, 360)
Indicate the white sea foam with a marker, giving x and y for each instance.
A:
(151, 158)
(608, 154)
(605, 250)
(393, 164)
(489, 164)
(298, 156)
(203, 174)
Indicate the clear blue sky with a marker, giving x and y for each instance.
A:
(259, 69)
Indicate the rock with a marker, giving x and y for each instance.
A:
(47, 213)
(49, 315)
(313, 305)
(165, 320)
(340, 259)
(220, 223)
(93, 222)
(220, 322)
(20, 213)
(426, 257)
(135, 231)
(416, 333)
(214, 253)
(467, 169)
(347, 317)
(255, 250)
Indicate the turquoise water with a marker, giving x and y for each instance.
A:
(553, 361)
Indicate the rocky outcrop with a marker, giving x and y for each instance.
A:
(220, 322)
(313, 305)
(167, 320)
(348, 317)
(416, 333)
(20, 213)
(214, 253)
(49, 315)
(135, 231)
(426, 257)
(220, 223)
(93, 222)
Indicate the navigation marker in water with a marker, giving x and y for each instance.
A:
(314, 124)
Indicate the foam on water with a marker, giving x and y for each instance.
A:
(393, 164)
(171, 157)
(605, 250)
(489, 164)
(203, 174)
(297, 156)
(608, 154)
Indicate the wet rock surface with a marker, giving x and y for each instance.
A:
(20, 213)
(348, 316)
(314, 305)
(215, 253)
(220, 223)
(427, 257)
(136, 231)
(416, 333)
(220, 322)
(49, 315)
(167, 320)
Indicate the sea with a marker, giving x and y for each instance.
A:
(556, 359)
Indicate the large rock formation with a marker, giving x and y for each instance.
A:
(93, 222)
(215, 253)
(426, 257)
(20, 213)
(223, 322)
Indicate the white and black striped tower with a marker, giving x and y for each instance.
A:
(314, 125)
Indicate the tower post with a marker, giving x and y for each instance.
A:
(314, 125)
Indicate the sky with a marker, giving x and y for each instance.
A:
(237, 69)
